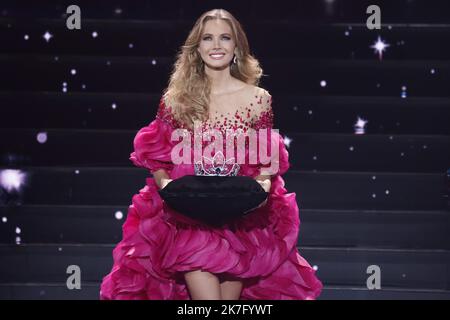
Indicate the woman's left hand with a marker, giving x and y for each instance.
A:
(265, 184)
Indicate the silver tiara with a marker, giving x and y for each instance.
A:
(217, 166)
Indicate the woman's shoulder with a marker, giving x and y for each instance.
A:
(256, 91)
(261, 107)
(165, 111)
(261, 98)
(262, 92)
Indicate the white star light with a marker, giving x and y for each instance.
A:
(403, 94)
(379, 47)
(41, 137)
(287, 141)
(47, 36)
(11, 179)
(118, 215)
(359, 126)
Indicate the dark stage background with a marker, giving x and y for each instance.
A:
(368, 134)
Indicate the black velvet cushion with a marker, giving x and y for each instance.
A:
(214, 200)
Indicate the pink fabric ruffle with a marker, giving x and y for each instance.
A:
(152, 147)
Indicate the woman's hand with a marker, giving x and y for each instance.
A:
(165, 182)
(265, 183)
(161, 177)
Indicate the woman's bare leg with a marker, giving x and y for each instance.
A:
(203, 285)
(230, 289)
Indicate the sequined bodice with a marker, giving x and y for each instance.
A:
(241, 120)
(256, 115)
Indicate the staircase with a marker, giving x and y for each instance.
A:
(70, 108)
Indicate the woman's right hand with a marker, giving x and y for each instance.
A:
(165, 182)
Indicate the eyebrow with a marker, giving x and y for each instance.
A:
(209, 34)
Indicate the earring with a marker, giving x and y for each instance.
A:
(234, 59)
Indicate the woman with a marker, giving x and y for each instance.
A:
(164, 255)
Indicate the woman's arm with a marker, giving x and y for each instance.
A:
(161, 178)
(263, 119)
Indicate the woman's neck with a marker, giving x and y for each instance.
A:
(221, 81)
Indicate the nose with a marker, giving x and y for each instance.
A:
(216, 44)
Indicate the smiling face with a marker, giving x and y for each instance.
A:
(217, 37)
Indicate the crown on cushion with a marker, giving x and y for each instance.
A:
(217, 166)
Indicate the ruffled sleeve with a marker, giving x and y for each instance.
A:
(152, 143)
(263, 124)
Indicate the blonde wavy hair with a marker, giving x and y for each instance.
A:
(189, 87)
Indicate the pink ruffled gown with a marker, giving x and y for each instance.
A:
(159, 244)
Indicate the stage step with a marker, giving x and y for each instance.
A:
(114, 36)
(324, 190)
(336, 266)
(307, 151)
(90, 291)
(293, 112)
(318, 227)
(139, 74)
(309, 10)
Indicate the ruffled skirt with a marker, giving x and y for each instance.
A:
(159, 245)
